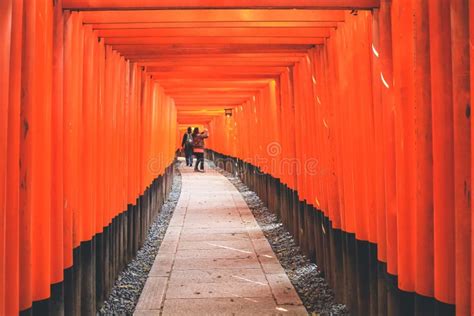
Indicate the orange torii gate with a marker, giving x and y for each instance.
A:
(358, 109)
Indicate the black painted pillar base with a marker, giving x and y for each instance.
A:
(350, 266)
(57, 299)
(97, 262)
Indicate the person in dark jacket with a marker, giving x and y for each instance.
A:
(198, 147)
(187, 145)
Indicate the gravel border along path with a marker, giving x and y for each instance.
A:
(305, 276)
(129, 285)
(315, 293)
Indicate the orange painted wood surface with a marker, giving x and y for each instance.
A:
(321, 4)
(12, 233)
(364, 113)
(443, 151)
(6, 18)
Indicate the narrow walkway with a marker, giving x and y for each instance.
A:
(214, 258)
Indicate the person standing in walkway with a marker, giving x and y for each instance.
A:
(198, 147)
(187, 145)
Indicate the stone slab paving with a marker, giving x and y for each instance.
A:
(214, 259)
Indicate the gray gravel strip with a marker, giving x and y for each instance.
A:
(313, 290)
(131, 280)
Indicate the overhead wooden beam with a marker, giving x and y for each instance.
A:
(149, 57)
(200, 115)
(216, 32)
(153, 16)
(187, 86)
(213, 4)
(216, 69)
(222, 94)
(208, 103)
(176, 49)
(202, 102)
(157, 59)
(219, 63)
(201, 112)
(242, 24)
(208, 107)
(213, 77)
(215, 101)
(213, 83)
(212, 40)
(194, 121)
(198, 91)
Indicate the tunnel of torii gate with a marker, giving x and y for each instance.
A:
(349, 118)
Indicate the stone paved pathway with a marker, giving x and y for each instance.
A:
(214, 259)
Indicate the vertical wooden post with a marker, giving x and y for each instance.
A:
(377, 90)
(6, 12)
(28, 85)
(12, 233)
(462, 152)
(471, 68)
(404, 111)
(57, 198)
(386, 81)
(443, 150)
(424, 273)
(471, 54)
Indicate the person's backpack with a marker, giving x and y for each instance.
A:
(198, 142)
